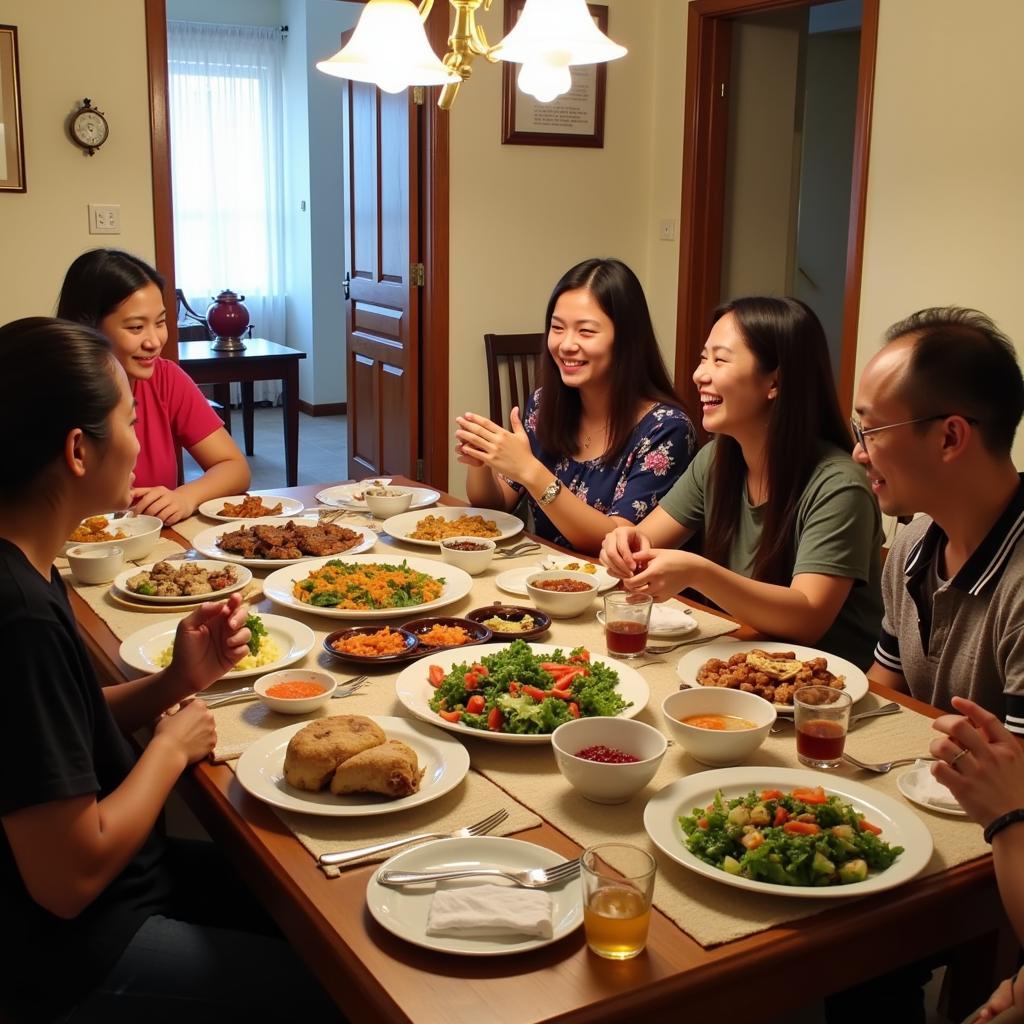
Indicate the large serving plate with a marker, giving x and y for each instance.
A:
(242, 578)
(350, 495)
(142, 649)
(211, 509)
(260, 770)
(206, 542)
(401, 526)
(403, 911)
(278, 586)
(899, 824)
(414, 691)
(856, 683)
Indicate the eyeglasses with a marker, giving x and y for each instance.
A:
(860, 433)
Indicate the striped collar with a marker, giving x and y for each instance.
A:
(988, 561)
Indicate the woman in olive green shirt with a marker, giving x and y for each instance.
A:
(792, 535)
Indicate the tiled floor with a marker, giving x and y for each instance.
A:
(323, 449)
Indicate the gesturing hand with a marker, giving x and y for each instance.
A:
(660, 572)
(170, 506)
(209, 642)
(620, 550)
(191, 728)
(481, 442)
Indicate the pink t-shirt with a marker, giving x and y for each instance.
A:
(170, 411)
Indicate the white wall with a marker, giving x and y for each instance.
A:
(45, 228)
(227, 12)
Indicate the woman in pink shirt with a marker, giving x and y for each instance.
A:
(122, 297)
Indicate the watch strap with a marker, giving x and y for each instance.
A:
(1003, 821)
(550, 492)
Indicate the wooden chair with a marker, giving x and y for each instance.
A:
(191, 326)
(518, 355)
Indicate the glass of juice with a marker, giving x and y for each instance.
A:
(822, 716)
(618, 883)
(627, 617)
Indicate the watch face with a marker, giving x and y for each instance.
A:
(89, 128)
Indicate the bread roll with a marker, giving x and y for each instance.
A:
(317, 749)
(391, 769)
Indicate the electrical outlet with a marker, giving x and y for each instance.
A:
(104, 219)
(667, 230)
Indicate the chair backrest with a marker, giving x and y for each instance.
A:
(517, 354)
(191, 326)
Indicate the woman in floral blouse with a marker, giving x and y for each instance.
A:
(604, 436)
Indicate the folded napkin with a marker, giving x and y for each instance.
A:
(926, 788)
(482, 910)
(669, 617)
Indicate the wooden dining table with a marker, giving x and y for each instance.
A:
(375, 976)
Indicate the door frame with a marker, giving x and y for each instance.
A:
(705, 126)
(434, 427)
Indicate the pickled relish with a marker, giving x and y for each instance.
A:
(606, 755)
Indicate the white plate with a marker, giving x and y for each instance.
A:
(260, 770)
(856, 683)
(403, 911)
(900, 826)
(688, 624)
(401, 526)
(210, 509)
(243, 577)
(458, 583)
(143, 647)
(414, 691)
(206, 542)
(513, 581)
(350, 495)
(907, 784)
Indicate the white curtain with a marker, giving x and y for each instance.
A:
(226, 130)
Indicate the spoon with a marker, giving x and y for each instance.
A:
(892, 708)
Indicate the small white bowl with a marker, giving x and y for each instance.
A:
(714, 746)
(383, 506)
(95, 563)
(473, 562)
(559, 604)
(599, 781)
(295, 705)
(142, 532)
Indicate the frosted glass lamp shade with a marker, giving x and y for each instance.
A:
(557, 33)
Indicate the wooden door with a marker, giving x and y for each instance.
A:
(382, 317)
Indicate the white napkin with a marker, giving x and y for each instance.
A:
(480, 910)
(928, 789)
(669, 617)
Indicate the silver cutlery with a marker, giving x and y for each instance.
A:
(669, 648)
(892, 708)
(882, 767)
(480, 828)
(522, 548)
(216, 700)
(532, 878)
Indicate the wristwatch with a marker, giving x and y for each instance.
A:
(550, 492)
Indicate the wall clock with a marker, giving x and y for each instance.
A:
(88, 127)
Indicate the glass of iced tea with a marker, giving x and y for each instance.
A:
(822, 716)
(618, 883)
(627, 618)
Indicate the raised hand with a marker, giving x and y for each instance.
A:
(482, 442)
(209, 642)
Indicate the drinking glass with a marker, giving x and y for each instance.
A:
(627, 618)
(822, 718)
(617, 900)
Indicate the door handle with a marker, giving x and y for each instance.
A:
(346, 283)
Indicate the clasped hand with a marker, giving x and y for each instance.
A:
(482, 442)
(170, 506)
(627, 555)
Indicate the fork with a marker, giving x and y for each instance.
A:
(216, 700)
(522, 548)
(669, 648)
(480, 828)
(532, 878)
(892, 708)
(883, 767)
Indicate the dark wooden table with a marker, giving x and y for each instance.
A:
(376, 977)
(260, 360)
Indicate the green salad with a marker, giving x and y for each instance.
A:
(804, 837)
(516, 691)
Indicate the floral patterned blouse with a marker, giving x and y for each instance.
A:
(655, 456)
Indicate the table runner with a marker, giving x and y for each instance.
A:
(710, 912)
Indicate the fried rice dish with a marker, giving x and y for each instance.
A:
(365, 586)
(290, 541)
(773, 675)
(437, 528)
(250, 507)
(95, 530)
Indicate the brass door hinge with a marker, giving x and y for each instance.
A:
(419, 95)
(417, 275)
(419, 470)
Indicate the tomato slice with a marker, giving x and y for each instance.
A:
(514, 687)
(471, 681)
(866, 826)
(536, 694)
(495, 720)
(435, 675)
(801, 828)
(574, 709)
(771, 794)
(810, 796)
(781, 816)
(476, 704)
(451, 716)
(480, 670)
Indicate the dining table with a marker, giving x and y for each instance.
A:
(952, 912)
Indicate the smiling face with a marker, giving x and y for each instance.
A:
(137, 328)
(580, 339)
(735, 393)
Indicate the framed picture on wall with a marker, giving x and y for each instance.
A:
(12, 146)
(575, 118)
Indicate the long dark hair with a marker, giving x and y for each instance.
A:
(786, 338)
(66, 368)
(99, 281)
(637, 371)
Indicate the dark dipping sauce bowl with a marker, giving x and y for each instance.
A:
(512, 613)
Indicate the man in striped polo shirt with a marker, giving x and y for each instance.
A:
(936, 413)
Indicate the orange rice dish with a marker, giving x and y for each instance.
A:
(444, 636)
(371, 645)
(367, 586)
(437, 528)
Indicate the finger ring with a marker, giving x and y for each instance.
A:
(963, 751)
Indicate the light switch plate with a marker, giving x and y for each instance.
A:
(104, 219)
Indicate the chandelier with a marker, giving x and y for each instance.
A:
(389, 47)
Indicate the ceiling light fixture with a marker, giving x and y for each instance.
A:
(389, 47)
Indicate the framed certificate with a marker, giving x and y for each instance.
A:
(12, 145)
